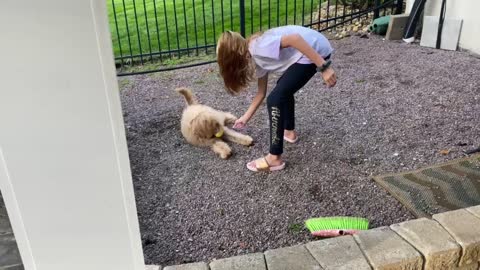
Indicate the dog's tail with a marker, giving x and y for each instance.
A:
(187, 94)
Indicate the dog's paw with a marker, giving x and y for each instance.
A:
(248, 140)
(230, 119)
(226, 154)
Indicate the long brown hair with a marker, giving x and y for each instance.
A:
(236, 66)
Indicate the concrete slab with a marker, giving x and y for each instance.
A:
(9, 254)
(463, 226)
(3, 209)
(437, 246)
(474, 210)
(396, 27)
(254, 261)
(13, 267)
(386, 250)
(473, 266)
(327, 253)
(153, 267)
(5, 226)
(450, 34)
(190, 266)
(296, 257)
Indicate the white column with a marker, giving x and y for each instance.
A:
(64, 168)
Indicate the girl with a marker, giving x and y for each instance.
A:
(295, 51)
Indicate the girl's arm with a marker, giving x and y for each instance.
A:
(262, 91)
(296, 41)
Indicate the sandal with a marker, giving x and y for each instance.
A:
(290, 140)
(261, 164)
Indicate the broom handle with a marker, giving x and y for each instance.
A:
(333, 233)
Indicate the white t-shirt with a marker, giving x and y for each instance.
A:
(269, 57)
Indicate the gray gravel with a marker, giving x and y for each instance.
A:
(394, 108)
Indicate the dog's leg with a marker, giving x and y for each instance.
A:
(229, 118)
(222, 149)
(237, 137)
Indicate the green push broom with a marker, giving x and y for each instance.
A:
(336, 226)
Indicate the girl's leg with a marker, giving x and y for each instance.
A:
(289, 123)
(279, 102)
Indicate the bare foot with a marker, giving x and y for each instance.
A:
(290, 134)
(274, 160)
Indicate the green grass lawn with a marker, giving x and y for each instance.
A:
(149, 26)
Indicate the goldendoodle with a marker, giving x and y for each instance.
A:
(204, 126)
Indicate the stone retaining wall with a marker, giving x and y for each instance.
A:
(450, 240)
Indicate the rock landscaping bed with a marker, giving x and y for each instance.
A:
(396, 107)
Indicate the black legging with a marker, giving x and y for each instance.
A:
(281, 102)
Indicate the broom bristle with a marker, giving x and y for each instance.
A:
(336, 223)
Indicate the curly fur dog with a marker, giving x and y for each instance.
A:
(204, 126)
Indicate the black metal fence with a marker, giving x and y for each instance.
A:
(156, 35)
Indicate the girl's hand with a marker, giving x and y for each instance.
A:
(240, 123)
(329, 77)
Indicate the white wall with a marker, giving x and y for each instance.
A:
(64, 168)
(468, 10)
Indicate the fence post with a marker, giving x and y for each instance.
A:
(242, 18)
(399, 7)
(376, 11)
